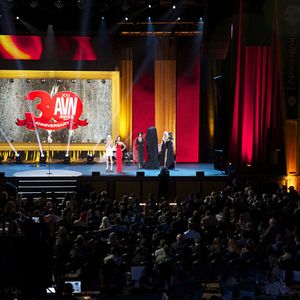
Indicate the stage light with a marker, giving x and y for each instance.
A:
(17, 17)
(174, 6)
(58, 4)
(149, 6)
(18, 158)
(126, 19)
(149, 19)
(73, 80)
(28, 80)
(67, 159)
(178, 19)
(43, 159)
(90, 159)
(201, 19)
(43, 80)
(58, 81)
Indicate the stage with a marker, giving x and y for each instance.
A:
(76, 169)
(84, 178)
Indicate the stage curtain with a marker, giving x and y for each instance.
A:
(188, 101)
(143, 106)
(165, 87)
(256, 111)
(256, 105)
(126, 97)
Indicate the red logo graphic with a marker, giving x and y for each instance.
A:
(60, 111)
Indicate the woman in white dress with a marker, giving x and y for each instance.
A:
(109, 152)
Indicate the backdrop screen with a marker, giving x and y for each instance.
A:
(96, 97)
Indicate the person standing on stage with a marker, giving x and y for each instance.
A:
(164, 140)
(169, 154)
(109, 152)
(140, 149)
(120, 147)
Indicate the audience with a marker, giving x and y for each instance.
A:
(247, 241)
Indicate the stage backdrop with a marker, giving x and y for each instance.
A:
(98, 91)
(96, 96)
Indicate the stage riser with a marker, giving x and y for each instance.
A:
(37, 186)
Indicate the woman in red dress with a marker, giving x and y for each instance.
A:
(120, 147)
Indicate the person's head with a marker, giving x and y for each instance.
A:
(113, 239)
(67, 289)
(272, 222)
(232, 245)
(179, 237)
(108, 137)
(105, 222)
(83, 216)
(140, 134)
(118, 139)
(171, 135)
(165, 135)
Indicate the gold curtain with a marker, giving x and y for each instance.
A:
(165, 87)
(125, 124)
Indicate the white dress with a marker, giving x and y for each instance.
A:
(109, 149)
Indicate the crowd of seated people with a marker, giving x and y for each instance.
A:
(248, 242)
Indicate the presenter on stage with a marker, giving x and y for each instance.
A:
(120, 147)
(140, 149)
(169, 152)
(109, 152)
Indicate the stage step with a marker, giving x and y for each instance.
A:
(35, 186)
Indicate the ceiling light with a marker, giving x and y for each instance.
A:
(59, 3)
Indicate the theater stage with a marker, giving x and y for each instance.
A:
(76, 169)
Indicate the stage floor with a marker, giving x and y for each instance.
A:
(73, 170)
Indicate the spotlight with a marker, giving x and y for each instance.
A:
(102, 18)
(174, 6)
(17, 17)
(126, 18)
(149, 19)
(149, 6)
(201, 19)
(18, 158)
(43, 80)
(90, 159)
(28, 80)
(178, 19)
(43, 158)
(67, 159)
(58, 81)
(58, 4)
(73, 80)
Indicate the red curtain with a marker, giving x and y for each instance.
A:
(256, 105)
(187, 117)
(143, 104)
(256, 111)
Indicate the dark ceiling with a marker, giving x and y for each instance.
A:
(84, 16)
